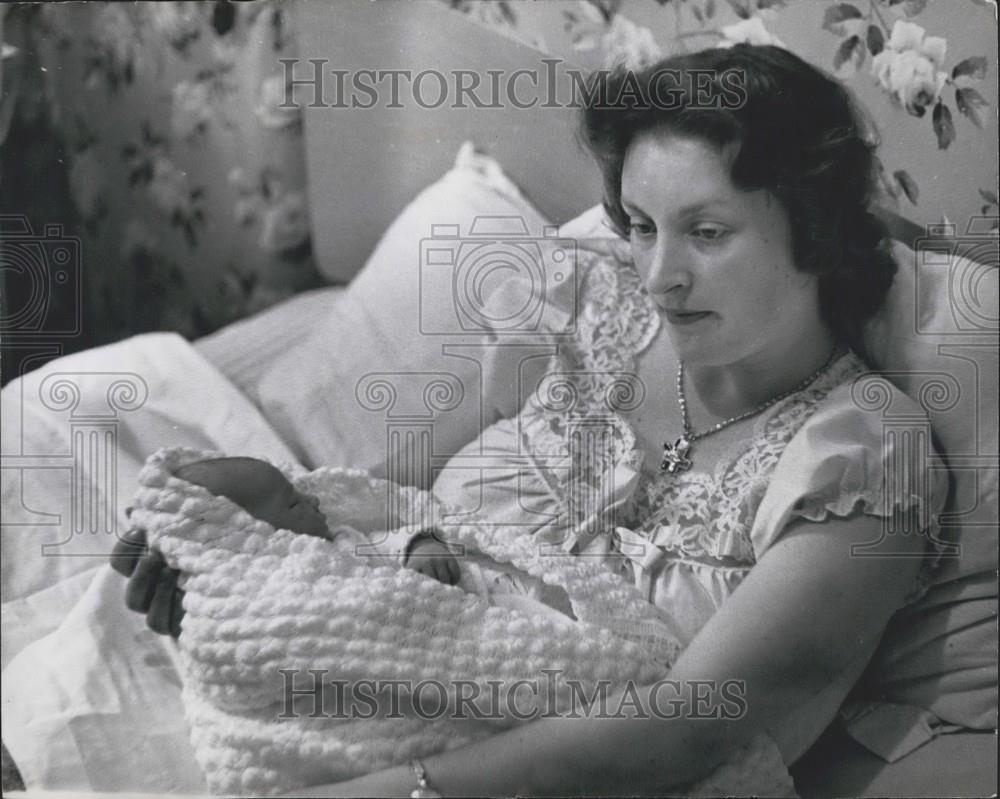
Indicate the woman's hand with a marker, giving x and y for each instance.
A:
(431, 558)
(152, 585)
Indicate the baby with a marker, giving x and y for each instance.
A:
(266, 494)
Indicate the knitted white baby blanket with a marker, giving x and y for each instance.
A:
(410, 666)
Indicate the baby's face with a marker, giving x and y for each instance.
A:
(261, 490)
(283, 507)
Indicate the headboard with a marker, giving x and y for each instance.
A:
(366, 164)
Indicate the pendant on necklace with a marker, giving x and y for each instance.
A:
(675, 456)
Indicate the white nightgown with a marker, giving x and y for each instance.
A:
(688, 540)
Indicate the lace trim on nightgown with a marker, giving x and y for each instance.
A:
(711, 513)
(590, 380)
(714, 512)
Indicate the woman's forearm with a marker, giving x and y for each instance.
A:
(584, 756)
(597, 754)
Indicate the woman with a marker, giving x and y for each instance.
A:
(756, 264)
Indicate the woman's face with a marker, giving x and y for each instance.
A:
(716, 259)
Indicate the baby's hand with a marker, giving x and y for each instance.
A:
(433, 559)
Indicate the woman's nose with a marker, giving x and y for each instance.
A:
(669, 270)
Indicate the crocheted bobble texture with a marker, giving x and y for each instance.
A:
(260, 601)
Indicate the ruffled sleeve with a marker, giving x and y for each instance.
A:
(866, 448)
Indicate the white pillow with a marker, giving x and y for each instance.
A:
(936, 338)
(591, 224)
(380, 355)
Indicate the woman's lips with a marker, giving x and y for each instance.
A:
(685, 317)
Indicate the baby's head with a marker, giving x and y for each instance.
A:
(261, 490)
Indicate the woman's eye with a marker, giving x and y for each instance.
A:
(640, 227)
(709, 232)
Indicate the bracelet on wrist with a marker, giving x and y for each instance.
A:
(423, 789)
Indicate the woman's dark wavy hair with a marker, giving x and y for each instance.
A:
(801, 137)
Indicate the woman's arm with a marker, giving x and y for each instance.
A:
(807, 610)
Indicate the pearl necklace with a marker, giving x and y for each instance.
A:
(676, 456)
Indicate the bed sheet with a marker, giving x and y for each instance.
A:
(246, 351)
(90, 697)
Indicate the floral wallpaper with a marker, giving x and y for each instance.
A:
(167, 152)
(155, 131)
(889, 51)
